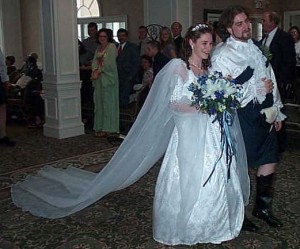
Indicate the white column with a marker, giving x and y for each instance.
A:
(183, 14)
(168, 11)
(61, 69)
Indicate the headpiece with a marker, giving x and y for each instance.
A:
(199, 26)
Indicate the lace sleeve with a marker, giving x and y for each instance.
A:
(181, 97)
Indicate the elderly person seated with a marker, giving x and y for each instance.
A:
(10, 61)
(144, 80)
(29, 87)
(29, 72)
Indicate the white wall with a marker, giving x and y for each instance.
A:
(31, 27)
(184, 16)
(10, 30)
(167, 11)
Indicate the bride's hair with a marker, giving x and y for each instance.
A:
(194, 32)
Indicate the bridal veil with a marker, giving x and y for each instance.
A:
(56, 193)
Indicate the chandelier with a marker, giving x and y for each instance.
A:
(261, 4)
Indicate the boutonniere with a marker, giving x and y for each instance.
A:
(266, 52)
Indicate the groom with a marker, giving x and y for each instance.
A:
(259, 116)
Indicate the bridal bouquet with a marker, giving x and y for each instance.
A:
(214, 94)
(218, 96)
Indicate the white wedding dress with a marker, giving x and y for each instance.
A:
(185, 211)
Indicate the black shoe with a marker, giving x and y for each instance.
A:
(267, 216)
(7, 142)
(248, 225)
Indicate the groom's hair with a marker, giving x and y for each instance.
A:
(228, 15)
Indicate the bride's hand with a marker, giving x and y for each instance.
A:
(229, 77)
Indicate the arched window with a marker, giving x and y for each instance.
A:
(88, 8)
(90, 11)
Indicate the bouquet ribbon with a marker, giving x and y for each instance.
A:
(225, 120)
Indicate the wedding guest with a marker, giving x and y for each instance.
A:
(158, 58)
(85, 72)
(4, 82)
(128, 62)
(143, 39)
(10, 61)
(30, 72)
(91, 42)
(282, 48)
(144, 79)
(35, 102)
(176, 29)
(147, 76)
(219, 37)
(199, 198)
(111, 37)
(295, 33)
(167, 45)
(283, 61)
(87, 50)
(105, 82)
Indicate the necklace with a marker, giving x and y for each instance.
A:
(201, 70)
(192, 64)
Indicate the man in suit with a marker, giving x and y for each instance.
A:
(176, 29)
(143, 39)
(283, 61)
(91, 42)
(282, 48)
(4, 83)
(86, 54)
(159, 59)
(128, 62)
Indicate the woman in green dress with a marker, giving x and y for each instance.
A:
(105, 82)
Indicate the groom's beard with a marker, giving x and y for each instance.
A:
(245, 36)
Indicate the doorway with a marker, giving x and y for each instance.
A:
(291, 18)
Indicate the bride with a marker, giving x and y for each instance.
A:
(188, 209)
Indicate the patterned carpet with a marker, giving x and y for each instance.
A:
(123, 219)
